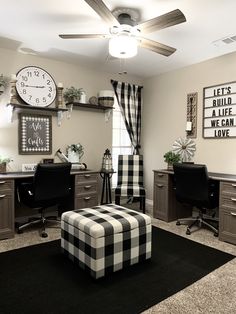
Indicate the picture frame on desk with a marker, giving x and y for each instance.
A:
(48, 160)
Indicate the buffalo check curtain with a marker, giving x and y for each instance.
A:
(129, 98)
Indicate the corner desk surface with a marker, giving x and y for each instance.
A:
(166, 207)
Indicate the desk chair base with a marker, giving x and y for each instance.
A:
(38, 220)
(200, 221)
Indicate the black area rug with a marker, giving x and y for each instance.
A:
(39, 279)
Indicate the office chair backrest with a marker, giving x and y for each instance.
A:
(51, 181)
(193, 185)
(130, 169)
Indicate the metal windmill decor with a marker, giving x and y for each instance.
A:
(185, 147)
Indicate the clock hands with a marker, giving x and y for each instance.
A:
(36, 86)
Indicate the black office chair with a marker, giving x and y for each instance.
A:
(194, 187)
(50, 186)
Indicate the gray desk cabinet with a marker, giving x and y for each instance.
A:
(165, 205)
(227, 212)
(6, 209)
(86, 190)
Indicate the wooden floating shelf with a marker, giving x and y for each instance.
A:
(28, 107)
(89, 106)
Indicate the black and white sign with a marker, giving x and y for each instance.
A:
(35, 134)
(219, 112)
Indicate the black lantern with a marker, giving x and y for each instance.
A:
(107, 162)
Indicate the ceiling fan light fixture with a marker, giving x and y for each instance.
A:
(123, 46)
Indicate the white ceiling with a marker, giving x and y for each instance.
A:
(36, 24)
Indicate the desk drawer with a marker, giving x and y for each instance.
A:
(227, 225)
(161, 177)
(86, 178)
(228, 188)
(228, 201)
(6, 185)
(6, 214)
(89, 200)
(86, 188)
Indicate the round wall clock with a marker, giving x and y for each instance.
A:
(35, 86)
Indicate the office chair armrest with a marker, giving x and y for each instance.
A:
(24, 190)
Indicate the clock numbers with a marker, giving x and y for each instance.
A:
(24, 78)
(36, 86)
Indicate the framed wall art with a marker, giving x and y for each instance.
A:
(191, 127)
(35, 134)
(219, 111)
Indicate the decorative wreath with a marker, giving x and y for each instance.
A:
(185, 148)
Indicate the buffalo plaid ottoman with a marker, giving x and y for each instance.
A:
(104, 239)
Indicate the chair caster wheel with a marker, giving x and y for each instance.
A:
(177, 223)
(19, 231)
(188, 232)
(44, 234)
(216, 234)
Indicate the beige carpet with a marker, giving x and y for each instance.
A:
(214, 293)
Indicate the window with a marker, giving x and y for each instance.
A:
(121, 144)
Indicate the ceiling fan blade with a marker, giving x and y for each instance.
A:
(84, 36)
(156, 47)
(103, 11)
(166, 20)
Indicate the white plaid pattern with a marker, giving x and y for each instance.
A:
(130, 176)
(106, 238)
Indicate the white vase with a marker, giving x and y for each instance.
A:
(73, 156)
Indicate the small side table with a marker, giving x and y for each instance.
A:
(106, 187)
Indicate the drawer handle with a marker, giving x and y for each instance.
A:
(2, 196)
(160, 185)
(2, 182)
(233, 199)
(160, 174)
(87, 198)
(233, 185)
(87, 175)
(233, 214)
(87, 187)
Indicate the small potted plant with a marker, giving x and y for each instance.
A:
(75, 152)
(72, 94)
(3, 83)
(3, 163)
(171, 158)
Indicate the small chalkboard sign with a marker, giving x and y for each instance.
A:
(219, 112)
(35, 134)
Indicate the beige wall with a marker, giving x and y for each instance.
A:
(87, 127)
(164, 116)
(163, 120)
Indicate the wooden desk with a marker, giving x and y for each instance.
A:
(166, 207)
(84, 193)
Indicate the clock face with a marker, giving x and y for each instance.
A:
(35, 86)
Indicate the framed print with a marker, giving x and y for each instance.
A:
(219, 111)
(35, 134)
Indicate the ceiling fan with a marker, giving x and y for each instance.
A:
(126, 34)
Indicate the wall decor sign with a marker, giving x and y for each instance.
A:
(191, 132)
(35, 134)
(219, 111)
